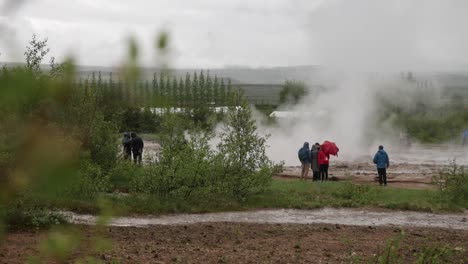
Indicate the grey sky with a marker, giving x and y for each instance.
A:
(215, 33)
(206, 33)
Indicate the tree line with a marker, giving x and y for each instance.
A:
(164, 90)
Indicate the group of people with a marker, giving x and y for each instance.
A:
(132, 144)
(317, 160)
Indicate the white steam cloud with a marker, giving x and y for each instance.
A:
(365, 44)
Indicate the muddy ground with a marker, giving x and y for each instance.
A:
(410, 167)
(400, 175)
(245, 243)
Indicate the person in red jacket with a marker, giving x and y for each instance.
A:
(323, 160)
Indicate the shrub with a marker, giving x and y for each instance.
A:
(452, 185)
(122, 175)
(183, 167)
(87, 184)
(25, 212)
(188, 167)
(358, 194)
(246, 170)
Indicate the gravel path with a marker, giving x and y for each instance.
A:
(352, 217)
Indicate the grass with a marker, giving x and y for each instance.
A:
(285, 194)
(309, 195)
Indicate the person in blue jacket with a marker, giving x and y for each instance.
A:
(465, 136)
(304, 157)
(382, 162)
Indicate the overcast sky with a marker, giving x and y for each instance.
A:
(217, 33)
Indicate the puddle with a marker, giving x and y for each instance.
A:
(323, 216)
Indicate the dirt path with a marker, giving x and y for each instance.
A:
(323, 216)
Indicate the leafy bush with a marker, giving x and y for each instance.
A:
(122, 175)
(357, 194)
(189, 167)
(182, 168)
(85, 184)
(25, 212)
(246, 169)
(452, 185)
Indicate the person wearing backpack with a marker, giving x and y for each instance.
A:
(304, 158)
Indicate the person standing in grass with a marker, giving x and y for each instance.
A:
(324, 161)
(382, 162)
(304, 158)
(137, 147)
(314, 165)
(127, 148)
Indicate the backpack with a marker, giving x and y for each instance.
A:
(303, 154)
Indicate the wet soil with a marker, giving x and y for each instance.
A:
(410, 167)
(399, 175)
(244, 243)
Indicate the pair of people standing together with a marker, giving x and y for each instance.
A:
(316, 160)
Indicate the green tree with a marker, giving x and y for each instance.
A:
(229, 89)
(168, 91)
(99, 80)
(35, 53)
(292, 92)
(147, 94)
(139, 94)
(216, 98)
(202, 88)
(93, 81)
(222, 93)
(162, 85)
(188, 91)
(195, 89)
(180, 95)
(175, 91)
(209, 89)
(155, 85)
(243, 152)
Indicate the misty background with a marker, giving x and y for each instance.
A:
(357, 50)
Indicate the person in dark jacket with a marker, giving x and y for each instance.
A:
(323, 160)
(382, 162)
(137, 147)
(304, 158)
(314, 165)
(127, 147)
